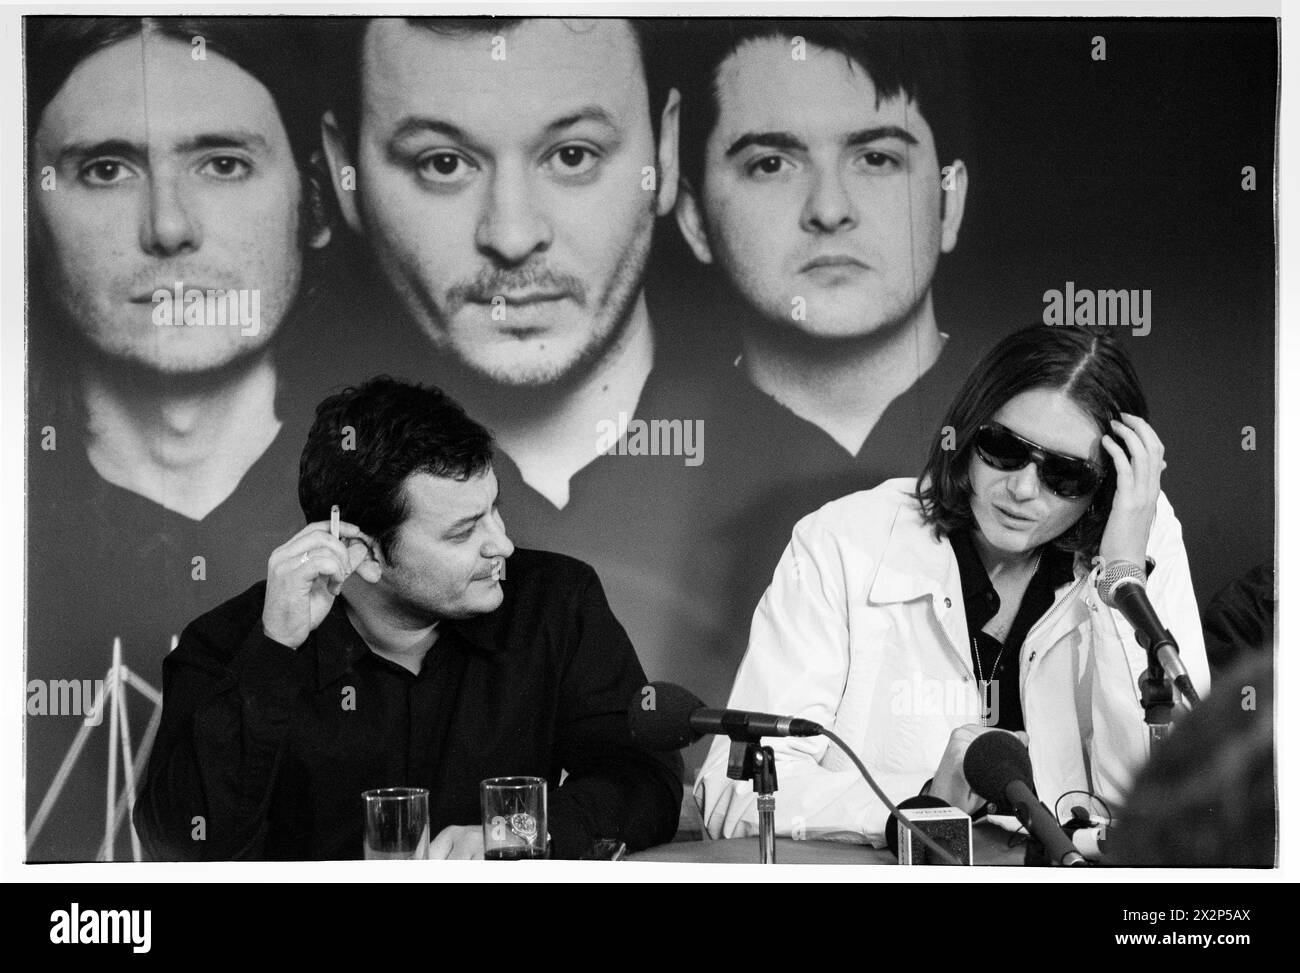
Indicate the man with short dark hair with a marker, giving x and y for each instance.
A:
(821, 180)
(813, 181)
(506, 176)
(400, 653)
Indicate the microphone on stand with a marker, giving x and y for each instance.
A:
(664, 716)
(1123, 586)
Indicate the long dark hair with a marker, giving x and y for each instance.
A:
(1089, 366)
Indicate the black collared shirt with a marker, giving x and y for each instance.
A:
(272, 747)
(1000, 661)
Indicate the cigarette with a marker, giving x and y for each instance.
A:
(334, 521)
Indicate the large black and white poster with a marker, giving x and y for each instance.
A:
(699, 277)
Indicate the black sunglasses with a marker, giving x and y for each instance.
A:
(1066, 476)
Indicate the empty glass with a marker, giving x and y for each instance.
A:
(397, 823)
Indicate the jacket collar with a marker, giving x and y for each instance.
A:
(917, 564)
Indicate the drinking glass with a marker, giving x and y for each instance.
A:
(397, 823)
(514, 818)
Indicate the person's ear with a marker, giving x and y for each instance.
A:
(667, 156)
(952, 202)
(319, 212)
(368, 565)
(342, 169)
(690, 220)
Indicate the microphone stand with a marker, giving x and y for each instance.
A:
(750, 760)
(1157, 695)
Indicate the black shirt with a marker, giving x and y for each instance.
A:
(1000, 661)
(273, 747)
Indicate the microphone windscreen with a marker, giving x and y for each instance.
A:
(891, 826)
(993, 760)
(659, 716)
(1113, 573)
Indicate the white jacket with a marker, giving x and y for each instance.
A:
(864, 631)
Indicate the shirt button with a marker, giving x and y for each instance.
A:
(947, 603)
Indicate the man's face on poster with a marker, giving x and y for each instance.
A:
(166, 169)
(502, 184)
(821, 207)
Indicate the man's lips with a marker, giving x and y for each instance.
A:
(1018, 518)
(146, 297)
(523, 299)
(833, 262)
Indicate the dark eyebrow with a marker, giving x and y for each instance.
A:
(474, 518)
(237, 139)
(463, 522)
(866, 135)
(773, 140)
(591, 113)
(414, 124)
(784, 140)
(76, 151)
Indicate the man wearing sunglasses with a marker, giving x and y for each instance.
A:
(915, 616)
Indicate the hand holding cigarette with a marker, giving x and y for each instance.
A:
(306, 573)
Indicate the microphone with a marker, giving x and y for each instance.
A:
(664, 716)
(997, 768)
(1123, 586)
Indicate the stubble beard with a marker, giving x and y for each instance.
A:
(611, 322)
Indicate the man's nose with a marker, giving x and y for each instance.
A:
(1023, 483)
(829, 206)
(169, 225)
(497, 543)
(514, 224)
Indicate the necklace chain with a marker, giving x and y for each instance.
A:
(984, 684)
